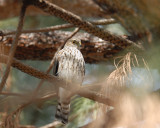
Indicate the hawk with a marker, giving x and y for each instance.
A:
(69, 65)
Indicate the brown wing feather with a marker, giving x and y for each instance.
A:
(55, 67)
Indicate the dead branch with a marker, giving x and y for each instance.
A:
(77, 21)
(57, 27)
(42, 46)
(11, 94)
(10, 118)
(94, 87)
(14, 46)
(82, 91)
(13, 8)
(126, 15)
(47, 29)
(51, 125)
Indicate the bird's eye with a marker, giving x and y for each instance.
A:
(74, 41)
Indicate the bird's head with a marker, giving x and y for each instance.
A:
(74, 43)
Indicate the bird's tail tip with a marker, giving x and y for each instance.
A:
(62, 113)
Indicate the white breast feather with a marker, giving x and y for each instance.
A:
(71, 65)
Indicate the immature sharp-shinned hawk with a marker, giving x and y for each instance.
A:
(69, 65)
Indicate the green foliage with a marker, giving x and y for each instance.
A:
(82, 111)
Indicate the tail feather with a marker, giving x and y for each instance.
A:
(58, 112)
(65, 112)
(62, 113)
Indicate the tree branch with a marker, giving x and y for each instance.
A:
(19, 109)
(14, 46)
(50, 125)
(58, 27)
(126, 16)
(42, 46)
(13, 8)
(87, 26)
(82, 91)
(11, 94)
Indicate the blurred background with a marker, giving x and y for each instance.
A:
(84, 110)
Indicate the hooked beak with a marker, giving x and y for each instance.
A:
(80, 44)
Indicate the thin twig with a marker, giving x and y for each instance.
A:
(36, 100)
(57, 27)
(11, 94)
(74, 33)
(14, 46)
(104, 21)
(47, 29)
(18, 110)
(27, 126)
(54, 124)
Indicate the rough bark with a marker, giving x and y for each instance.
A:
(13, 8)
(42, 46)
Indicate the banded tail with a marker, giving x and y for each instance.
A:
(62, 113)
